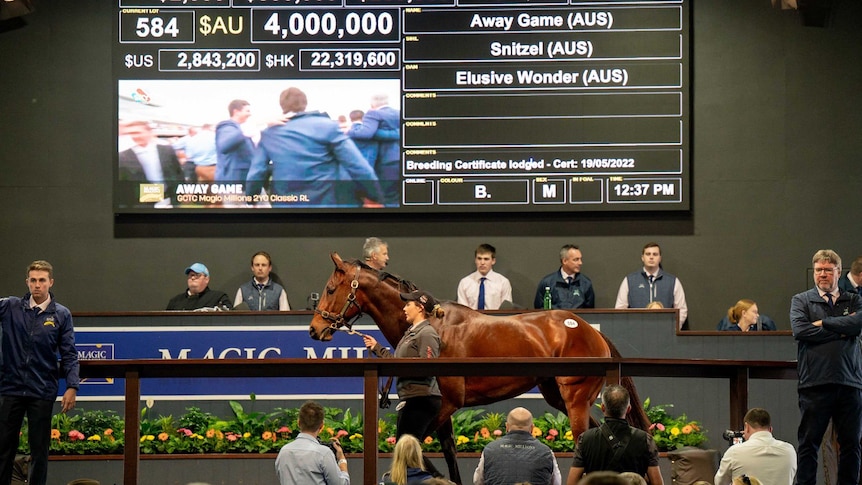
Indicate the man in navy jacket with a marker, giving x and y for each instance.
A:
(826, 324)
(35, 330)
(382, 123)
(307, 152)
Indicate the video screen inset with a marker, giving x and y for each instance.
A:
(355, 106)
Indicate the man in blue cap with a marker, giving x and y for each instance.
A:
(198, 295)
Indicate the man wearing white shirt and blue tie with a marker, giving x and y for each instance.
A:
(484, 289)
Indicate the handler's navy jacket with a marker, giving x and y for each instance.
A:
(31, 344)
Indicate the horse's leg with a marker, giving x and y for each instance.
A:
(446, 435)
(551, 393)
(454, 391)
(579, 394)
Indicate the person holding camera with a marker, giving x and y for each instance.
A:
(760, 455)
(305, 460)
(615, 446)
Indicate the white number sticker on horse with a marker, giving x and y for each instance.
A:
(571, 323)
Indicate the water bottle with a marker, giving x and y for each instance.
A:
(546, 301)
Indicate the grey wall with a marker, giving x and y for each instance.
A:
(776, 134)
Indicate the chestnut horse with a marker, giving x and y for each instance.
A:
(355, 288)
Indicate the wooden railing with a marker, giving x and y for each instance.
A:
(737, 372)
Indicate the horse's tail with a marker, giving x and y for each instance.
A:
(637, 416)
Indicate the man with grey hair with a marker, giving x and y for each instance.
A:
(568, 286)
(518, 456)
(375, 253)
(826, 325)
(616, 446)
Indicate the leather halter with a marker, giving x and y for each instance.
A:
(336, 321)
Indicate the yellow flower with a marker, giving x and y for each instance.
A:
(537, 432)
(461, 440)
(686, 429)
(569, 436)
(147, 437)
(246, 435)
(355, 436)
(95, 437)
(674, 431)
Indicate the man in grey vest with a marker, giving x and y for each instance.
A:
(651, 284)
(517, 456)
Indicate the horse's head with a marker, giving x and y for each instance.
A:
(338, 305)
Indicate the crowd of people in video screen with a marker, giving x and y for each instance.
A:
(304, 158)
(36, 332)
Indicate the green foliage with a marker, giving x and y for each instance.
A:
(197, 420)
(672, 432)
(101, 432)
(556, 430)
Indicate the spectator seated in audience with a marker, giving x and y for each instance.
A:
(407, 467)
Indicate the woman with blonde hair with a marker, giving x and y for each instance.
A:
(407, 467)
(745, 317)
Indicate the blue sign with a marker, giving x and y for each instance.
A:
(221, 342)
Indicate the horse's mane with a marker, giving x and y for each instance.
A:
(402, 285)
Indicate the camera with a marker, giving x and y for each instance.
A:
(733, 437)
(331, 446)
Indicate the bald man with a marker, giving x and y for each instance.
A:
(517, 456)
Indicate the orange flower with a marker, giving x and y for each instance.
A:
(536, 432)
(429, 440)
(267, 435)
(163, 436)
(211, 433)
(686, 429)
(108, 432)
(485, 433)
(55, 434)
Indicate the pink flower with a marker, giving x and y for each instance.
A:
(549, 438)
(283, 429)
(231, 437)
(341, 434)
(76, 435)
(553, 432)
(391, 440)
(497, 432)
(185, 431)
(660, 426)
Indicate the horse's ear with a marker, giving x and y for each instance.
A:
(336, 259)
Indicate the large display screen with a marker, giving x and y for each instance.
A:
(402, 106)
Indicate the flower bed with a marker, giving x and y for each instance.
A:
(195, 432)
(101, 432)
(671, 432)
